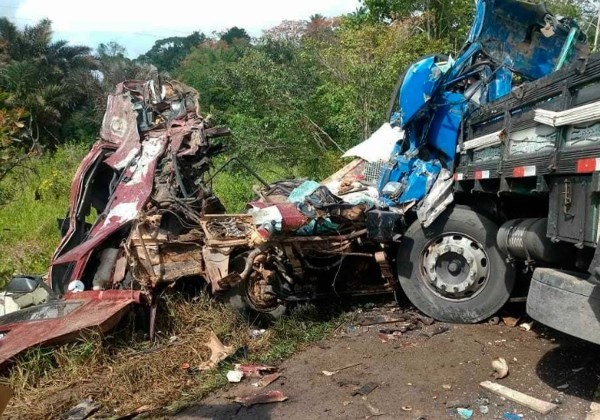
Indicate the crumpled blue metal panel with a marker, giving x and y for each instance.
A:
(508, 31)
(507, 37)
(420, 83)
(445, 125)
(420, 180)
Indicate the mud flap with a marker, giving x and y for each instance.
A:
(566, 302)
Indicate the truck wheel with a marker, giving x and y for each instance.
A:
(453, 270)
(251, 302)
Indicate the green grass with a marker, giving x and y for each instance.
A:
(33, 198)
(114, 368)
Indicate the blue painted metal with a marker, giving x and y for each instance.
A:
(443, 132)
(501, 85)
(420, 83)
(420, 180)
(505, 39)
(507, 33)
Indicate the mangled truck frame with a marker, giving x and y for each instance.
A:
(484, 175)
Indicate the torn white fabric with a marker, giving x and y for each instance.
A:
(379, 146)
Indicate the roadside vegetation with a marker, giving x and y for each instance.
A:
(124, 372)
(295, 99)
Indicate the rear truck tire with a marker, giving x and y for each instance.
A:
(453, 270)
(250, 302)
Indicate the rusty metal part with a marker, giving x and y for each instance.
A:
(229, 281)
(217, 266)
(226, 230)
(294, 261)
(250, 262)
(259, 288)
(64, 320)
(384, 266)
(337, 238)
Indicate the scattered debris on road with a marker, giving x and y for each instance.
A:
(262, 398)
(267, 380)
(527, 326)
(219, 352)
(500, 367)
(512, 416)
(464, 413)
(255, 371)
(235, 376)
(335, 371)
(373, 410)
(532, 403)
(366, 389)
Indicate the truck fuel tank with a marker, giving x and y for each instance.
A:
(525, 239)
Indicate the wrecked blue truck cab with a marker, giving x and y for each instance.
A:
(444, 203)
(508, 40)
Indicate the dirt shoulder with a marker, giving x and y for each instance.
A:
(419, 376)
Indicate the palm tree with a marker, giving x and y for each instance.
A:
(43, 76)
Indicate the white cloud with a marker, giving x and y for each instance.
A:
(137, 24)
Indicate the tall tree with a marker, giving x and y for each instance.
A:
(43, 76)
(235, 34)
(439, 19)
(166, 54)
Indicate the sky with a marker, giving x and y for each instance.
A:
(138, 24)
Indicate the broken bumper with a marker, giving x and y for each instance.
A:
(565, 302)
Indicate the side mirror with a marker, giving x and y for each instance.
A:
(24, 284)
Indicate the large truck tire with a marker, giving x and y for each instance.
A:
(453, 270)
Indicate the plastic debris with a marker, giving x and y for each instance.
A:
(484, 409)
(526, 326)
(447, 387)
(366, 389)
(464, 413)
(406, 408)
(512, 416)
(500, 367)
(83, 410)
(235, 376)
(304, 190)
(510, 321)
(218, 352)
(267, 380)
(254, 371)
(257, 333)
(261, 398)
